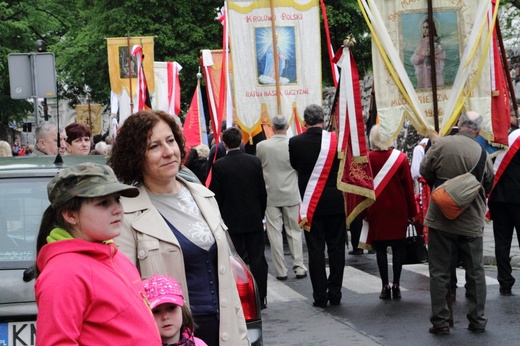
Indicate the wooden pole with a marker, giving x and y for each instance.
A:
(505, 65)
(276, 61)
(129, 60)
(433, 68)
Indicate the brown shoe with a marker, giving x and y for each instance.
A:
(386, 293)
(439, 330)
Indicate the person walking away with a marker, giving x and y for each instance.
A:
(447, 158)
(239, 187)
(325, 225)
(283, 200)
(504, 204)
(87, 292)
(172, 316)
(389, 215)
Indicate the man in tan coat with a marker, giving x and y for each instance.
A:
(283, 199)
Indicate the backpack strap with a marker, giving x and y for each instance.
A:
(478, 170)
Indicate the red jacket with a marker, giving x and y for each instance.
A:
(90, 294)
(388, 216)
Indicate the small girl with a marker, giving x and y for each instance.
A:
(172, 316)
(87, 292)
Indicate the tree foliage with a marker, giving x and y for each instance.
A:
(76, 33)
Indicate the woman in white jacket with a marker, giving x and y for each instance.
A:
(174, 227)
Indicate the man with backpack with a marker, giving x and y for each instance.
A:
(447, 158)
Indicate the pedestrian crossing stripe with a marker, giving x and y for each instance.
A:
(358, 281)
(461, 274)
(278, 292)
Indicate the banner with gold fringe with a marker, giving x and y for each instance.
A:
(270, 79)
(402, 66)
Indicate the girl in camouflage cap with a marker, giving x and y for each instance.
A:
(86, 291)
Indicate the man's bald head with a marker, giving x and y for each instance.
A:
(470, 120)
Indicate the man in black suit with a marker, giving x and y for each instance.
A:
(239, 187)
(326, 224)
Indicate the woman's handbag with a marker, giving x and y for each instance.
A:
(416, 251)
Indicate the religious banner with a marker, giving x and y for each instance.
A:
(275, 58)
(90, 116)
(403, 63)
(122, 67)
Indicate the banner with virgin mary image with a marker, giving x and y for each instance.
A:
(275, 51)
(403, 63)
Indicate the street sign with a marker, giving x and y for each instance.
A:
(32, 75)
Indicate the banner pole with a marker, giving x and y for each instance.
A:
(433, 68)
(276, 61)
(129, 60)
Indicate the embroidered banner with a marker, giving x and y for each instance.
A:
(402, 65)
(122, 68)
(254, 64)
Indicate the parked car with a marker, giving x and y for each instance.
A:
(23, 198)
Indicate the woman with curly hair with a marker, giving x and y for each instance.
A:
(174, 227)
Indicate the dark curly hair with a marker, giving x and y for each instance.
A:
(129, 149)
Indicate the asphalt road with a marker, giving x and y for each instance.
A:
(364, 319)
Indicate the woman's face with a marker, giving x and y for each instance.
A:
(99, 219)
(162, 157)
(425, 29)
(79, 146)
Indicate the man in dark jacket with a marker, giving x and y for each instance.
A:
(239, 187)
(504, 204)
(447, 158)
(313, 155)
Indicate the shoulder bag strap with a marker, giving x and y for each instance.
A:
(478, 170)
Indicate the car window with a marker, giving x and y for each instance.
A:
(22, 203)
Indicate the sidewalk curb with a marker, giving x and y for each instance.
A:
(490, 260)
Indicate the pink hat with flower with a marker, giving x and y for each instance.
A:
(161, 289)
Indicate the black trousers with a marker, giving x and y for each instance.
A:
(330, 231)
(250, 247)
(506, 218)
(355, 232)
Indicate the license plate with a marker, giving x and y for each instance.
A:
(18, 333)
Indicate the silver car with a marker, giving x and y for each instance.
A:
(23, 199)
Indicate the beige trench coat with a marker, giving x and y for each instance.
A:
(150, 244)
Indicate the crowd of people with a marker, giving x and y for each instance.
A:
(75, 139)
(138, 218)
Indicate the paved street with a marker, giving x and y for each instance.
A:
(364, 319)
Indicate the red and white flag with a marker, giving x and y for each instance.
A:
(356, 178)
(500, 100)
(195, 123)
(143, 96)
(174, 87)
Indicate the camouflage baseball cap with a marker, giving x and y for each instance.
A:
(86, 180)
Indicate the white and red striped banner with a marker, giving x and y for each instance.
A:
(167, 96)
(143, 97)
(318, 178)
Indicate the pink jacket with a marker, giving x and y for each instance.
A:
(90, 294)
